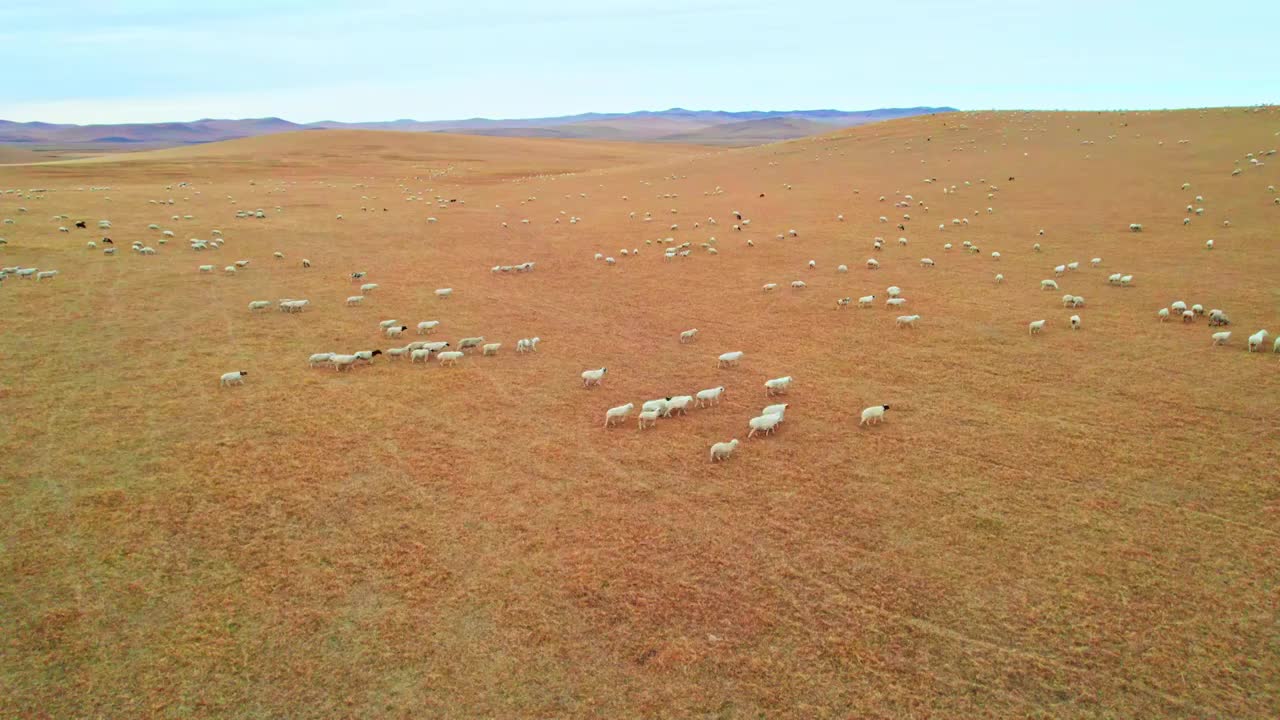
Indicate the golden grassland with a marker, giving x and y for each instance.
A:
(1077, 524)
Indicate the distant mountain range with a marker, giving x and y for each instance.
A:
(707, 127)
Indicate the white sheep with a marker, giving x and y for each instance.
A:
(648, 418)
(1075, 322)
(490, 349)
(320, 359)
(470, 342)
(730, 358)
(1256, 340)
(769, 287)
(205, 268)
(873, 415)
(1036, 326)
(895, 302)
(1221, 338)
(999, 278)
(710, 396)
(593, 377)
(813, 264)
(306, 263)
(764, 424)
(873, 264)
(1208, 244)
(866, 300)
(368, 288)
(1068, 299)
(907, 321)
(527, 345)
(1125, 280)
(259, 305)
(842, 268)
(722, 450)
(444, 293)
(229, 270)
(450, 357)
(1163, 314)
(777, 386)
(388, 323)
(1077, 301)
(688, 335)
(355, 300)
(1048, 285)
(394, 353)
(678, 402)
(426, 326)
(1059, 269)
(798, 284)
(1074, 265)
(1135, 227)
(395, 331)
(233, 378)
(618, 414)
(419, 355)
(926, 262)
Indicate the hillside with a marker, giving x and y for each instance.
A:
(1068, 524)
(750, 132)
(627, 127)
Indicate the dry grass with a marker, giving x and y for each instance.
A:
(1076, 525)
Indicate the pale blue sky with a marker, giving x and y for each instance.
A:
(306, 60)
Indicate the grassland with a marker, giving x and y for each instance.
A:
(1075, 525)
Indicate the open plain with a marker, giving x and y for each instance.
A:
(1071, 524)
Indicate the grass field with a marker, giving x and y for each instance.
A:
(1072, 525)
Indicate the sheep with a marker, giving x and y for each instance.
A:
(593, 377)
(1217, 317)
(358, 276)
(444, 293)
(730, 358)
(798, 284)
(1058, 270)
(1075, 322)
(813, 264)
(394, 332)
(1077, 301)
(490, 349)
(1275, 347)
(394, 353)
(388, 323)
(907, 321)
(1135, 227)
(710, 396)
(764, 424)
(1036, 247)
(426, 326)
(355, 300)
(367, 288)
(233, 378)
(1036, 326)
(450, 357)
(648, 418)
(91, 245)
(689, 335)
(873, 264)
(769, 287)
(995, 255)
(1208, 244)
(306, 263)
(259, 305)
(1114, 278)
(205, 268)
(278, 255)
(1188, 316)
(46, 274)
(293, 305)
(1221, 338)
(419, 355)
(320, 359)
(1073, 265)
(999, 278)
(842, 268)
(1096, 261)
(780, 410)
(229, 270)
(893, 291)
(1125, 280)
(1163, 314)
(777, 386)
(722, 450)
(240, 263)
(902, 241)
(527, 345)
(866, 300)
(368, 355)
(1198, 309)
(873, 415)
(1256, 340)
(618, 414)
(1048, 285)
(678, 402)
(926, 262)
(895, 302)
(1068, 299)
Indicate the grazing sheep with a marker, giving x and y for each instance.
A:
(907, 321)
(395, 331)
(1125, 280)
(926, 262)
(895, 302)
(205, 268)
(893, 291)
(618, 414)
(1036, 247)
(1058, 270)
(1135, 227)
(842, 268)
(873, 264)
(730, 358)
(490, 349)
(355, 300)
(527, 345)
(1036, 326)
(1208, 244)
(999, 278)
(1221, 338)
(777, 386)
(233, 378)
(394, 353)
(320, 359)
(444, 293)
(1077, 301)
(593, 377)
(722, 450)
(368, 288)
(866, 300)
(426, 326)
(689, 335)
(764, 424)
(1256, 340)
(769, 287)
(710, 396)
(1075, 322)
(1067, 300)
(1048, 285)
(450, 357)
(470, 342)
(306, 263)
(678, 402)
(278, 255)
(388, 323)
(798, 284)
(259, 305)
(229, 270)
(873, 415)
(648, 418)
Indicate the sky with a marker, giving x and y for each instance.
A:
(113, 61)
